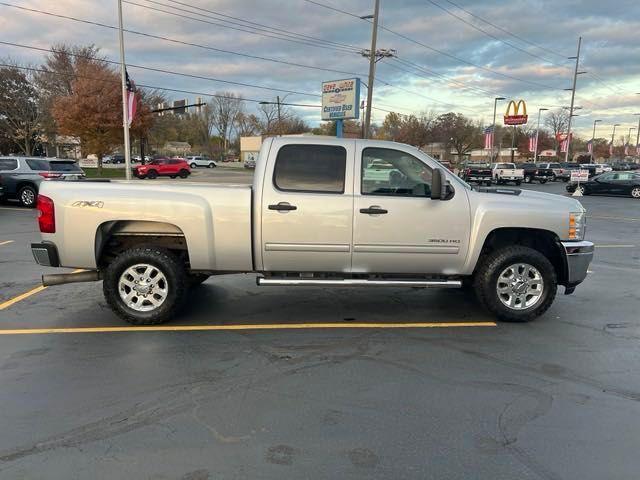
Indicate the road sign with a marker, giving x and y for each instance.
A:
(341, 99)
(578, 176)
(519, 115)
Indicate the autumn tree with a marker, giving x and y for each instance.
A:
(19, 112)
(458, 132)
(93, 110)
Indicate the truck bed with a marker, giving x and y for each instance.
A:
(215, 220)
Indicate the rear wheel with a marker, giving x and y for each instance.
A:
(151, 174)
(527, 179)
(635, 192)
(516, 284)
(145, 285)
(193, 165)
(183, 173)
(211, 165)
(28, 196)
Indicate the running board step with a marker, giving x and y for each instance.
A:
(356, 282)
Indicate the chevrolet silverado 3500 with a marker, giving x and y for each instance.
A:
(319, 213)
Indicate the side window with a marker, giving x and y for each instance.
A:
(310, 168)
(8, 163)
(392, 172)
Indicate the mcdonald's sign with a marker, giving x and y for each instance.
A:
(516, 113)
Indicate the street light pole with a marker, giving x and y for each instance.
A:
(372, 68)
(125, 110)
(573, 96)
(535, 156)
(493, 127)
(593, 137)
(613, 137)
(638, 136)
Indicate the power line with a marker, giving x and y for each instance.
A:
(277, 36)
(441, 52)
(504, 30)
(161, 70)
(475, 27)
(284, 31)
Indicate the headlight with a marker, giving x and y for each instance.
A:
(577, 225)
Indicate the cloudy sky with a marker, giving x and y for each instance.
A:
(451, 54)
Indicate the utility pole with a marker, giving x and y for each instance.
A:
(573, 96)
(372, 68)
(125, 109)
(279, 115)
(493, 127)
(638, 136)
(593, 138)
(535, 156)
(613, 137)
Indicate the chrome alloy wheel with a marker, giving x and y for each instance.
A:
(520, 286)
(27, 197)
(635, 192)
(143, 287)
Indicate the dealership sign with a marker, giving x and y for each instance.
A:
(516, 115)
(341, 99)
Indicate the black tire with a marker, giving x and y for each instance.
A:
(543, 181)
(152, 174)
(486, 281)
(211, 165)
(527, 179)
(197, 278)
(193, 165)
(518, 182)
(554, 178)
(167, 264)
(28, 196)
(183, 173)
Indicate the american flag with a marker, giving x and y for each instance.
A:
(132, 103)
(533, 143)
(564, 144)
(488, 138)
(590, 146)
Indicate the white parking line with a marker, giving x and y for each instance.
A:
(615, 246)
(6, 242)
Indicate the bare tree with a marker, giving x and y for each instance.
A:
(557, 121)
(223, 111)
(247, 125)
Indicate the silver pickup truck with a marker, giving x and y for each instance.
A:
(319, 213)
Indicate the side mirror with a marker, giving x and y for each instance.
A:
(440, 188)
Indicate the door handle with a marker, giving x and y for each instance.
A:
(373, 210)
(282, 207)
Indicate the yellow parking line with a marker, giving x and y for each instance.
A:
(278, 326)
(24, 295)
(6, 242)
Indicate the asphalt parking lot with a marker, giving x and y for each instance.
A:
(558, 398)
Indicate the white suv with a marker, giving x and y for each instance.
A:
(201, 161)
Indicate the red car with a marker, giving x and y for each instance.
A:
(163, 167)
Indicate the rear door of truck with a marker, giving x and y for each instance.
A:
(307, 206)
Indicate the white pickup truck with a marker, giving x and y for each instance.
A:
(321, 212)
(507, 172)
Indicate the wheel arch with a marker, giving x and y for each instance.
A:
(544, 241)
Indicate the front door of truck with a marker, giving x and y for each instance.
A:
(397, 227)
(307, 207)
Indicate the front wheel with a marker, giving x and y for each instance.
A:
(151, 174)
(527, 179)
(184, 173)
(145, 285)
(193, 165)
(211, 165)
(635, 192)
(516, 284)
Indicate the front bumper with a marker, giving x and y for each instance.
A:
(45, 254)
(578, 256)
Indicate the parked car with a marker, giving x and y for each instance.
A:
(603, 167)
(163, 167)
(507, 172)
(114, 159)
(559, 173)
(610, 183)
(201, 161)
(22, 176)
(312, 219)
(594, 169)
(251, 163)
(533, 172)
(476, 173)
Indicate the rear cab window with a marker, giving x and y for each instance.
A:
(310, 168)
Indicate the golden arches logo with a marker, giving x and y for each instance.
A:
(519, 115)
